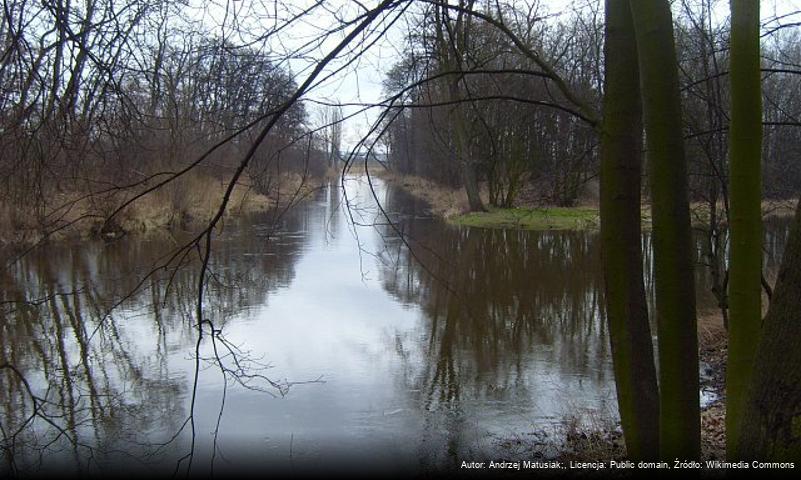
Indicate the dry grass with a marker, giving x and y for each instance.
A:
(187, 203)
(700, 212)
(193, 201)
(64, 215)
(444, 202)
(593, 438)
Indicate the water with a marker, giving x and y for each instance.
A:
(348, 344)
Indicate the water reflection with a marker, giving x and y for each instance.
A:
(99, 342)
(513, 332)
(92, 382)
(431, 342)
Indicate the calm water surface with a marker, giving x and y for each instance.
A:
(408, 347)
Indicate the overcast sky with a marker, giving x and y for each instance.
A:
(299, 45)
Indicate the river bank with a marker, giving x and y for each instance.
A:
(590, 436)
(451, 204)
(185, 204)
(599, 437)
(424, 385)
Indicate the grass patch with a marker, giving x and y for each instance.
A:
(588, 218)
(550, 218)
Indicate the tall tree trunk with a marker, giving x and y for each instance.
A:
(621, 169)
(745, 263)
(770, 426)
(452, 44)
(464, 157)
(674, 261)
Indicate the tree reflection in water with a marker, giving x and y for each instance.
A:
(494, 303)
(487, 332)
(512, 316)
(84, 383)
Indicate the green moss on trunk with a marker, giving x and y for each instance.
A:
(674, 260)
(745, 263)
(627, 310)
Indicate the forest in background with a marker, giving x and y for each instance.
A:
(531, 144)
(102, 101)
(105, 105)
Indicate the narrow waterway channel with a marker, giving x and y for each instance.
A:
(350, 343)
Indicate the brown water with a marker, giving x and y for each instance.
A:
(398, 348)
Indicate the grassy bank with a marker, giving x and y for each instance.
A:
(588, 217)
(451, 204)
(551, 218)
(187, 204)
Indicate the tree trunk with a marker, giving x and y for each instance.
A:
(770, 428)
(452, 51)
(626, 307)
(674, 261)
(470, 180)
(745, 263)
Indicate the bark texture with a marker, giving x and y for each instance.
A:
(745, 173)
(672, 237)
(621, 169)
(771, 422)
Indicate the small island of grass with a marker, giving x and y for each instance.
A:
(532, 218)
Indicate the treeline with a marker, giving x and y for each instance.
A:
(468, 97)
(101, 100)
